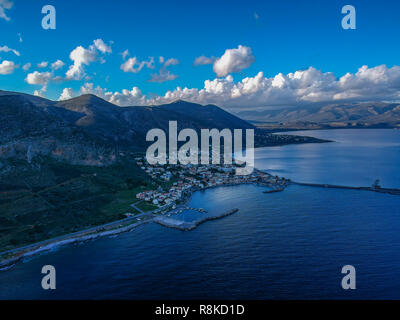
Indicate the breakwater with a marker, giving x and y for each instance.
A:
(379, 190)
(188, 226)
(274, 190)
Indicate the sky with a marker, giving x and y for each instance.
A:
(236, 54)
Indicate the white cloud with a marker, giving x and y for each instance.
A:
(40, 93)
(7, 67)
(58, 79)
(233, 60)
(203, 60)
(133, 65)
(20, 37)
(5, 5)
(36, 78)
(26, 66)
(43, 64)
(125, 54)
(299, 88)
(101, 46)
(162, 76)
(88, 88)
(39, 78)
(57, 65)
(171, 62)
(81, 57)
(68, 93)
(7, 49)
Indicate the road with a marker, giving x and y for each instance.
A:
(81, 232)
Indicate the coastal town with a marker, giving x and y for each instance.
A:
(177, 182)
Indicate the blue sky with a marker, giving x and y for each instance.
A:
(283, 37)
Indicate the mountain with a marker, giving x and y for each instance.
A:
(128, 125)
(371, 114)
(27, 129)
(90, 130)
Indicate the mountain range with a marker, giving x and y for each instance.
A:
(359, 115)
(89, 130)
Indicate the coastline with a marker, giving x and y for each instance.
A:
(12, 257)
(128, 224)
(22, 254)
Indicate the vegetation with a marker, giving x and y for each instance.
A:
(48, 198)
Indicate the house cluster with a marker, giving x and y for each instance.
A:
(184, 179)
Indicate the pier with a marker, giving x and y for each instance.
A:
(373, 189)
(274, 190)
(188, 226)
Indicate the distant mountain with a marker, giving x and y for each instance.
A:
(334, 115)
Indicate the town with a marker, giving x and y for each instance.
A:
(178, 182)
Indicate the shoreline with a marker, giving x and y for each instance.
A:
(8, 263)
(19, 254)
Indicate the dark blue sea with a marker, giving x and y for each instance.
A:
(288, 245)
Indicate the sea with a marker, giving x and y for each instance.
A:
(287, 245)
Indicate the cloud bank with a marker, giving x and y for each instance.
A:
(299, 88)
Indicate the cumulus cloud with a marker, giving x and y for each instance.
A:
(40, 93)
(7, 67)
(5, 5)
(163, 74)
(80, 56)
(26, 66)
(125, 54)
(133, 65)
(171, 62)
(83, 57)
(101, 46)
(299, 88)
(7, 49)
(68, 93)
(39, 78)
(43, 64)
(203, 60)
(36, 78)
(57, 65)
(233, 60)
